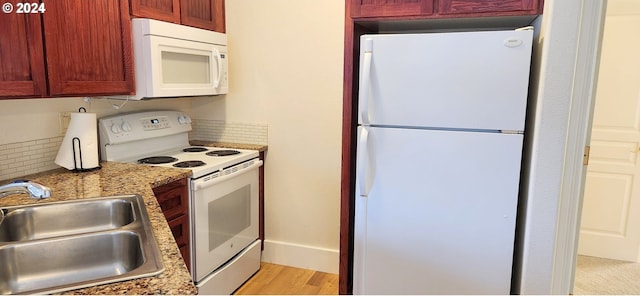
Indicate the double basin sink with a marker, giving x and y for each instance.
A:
(60, 246)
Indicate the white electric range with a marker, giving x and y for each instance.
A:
(200, 159)
(223, 197)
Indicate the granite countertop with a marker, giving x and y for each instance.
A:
(117, 179)
(260, 148)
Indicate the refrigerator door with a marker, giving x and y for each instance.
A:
(439, 212)
(467, 80)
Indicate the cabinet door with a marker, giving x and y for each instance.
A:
(488, 6)
(180, 230)
(381, 8)
(204, 14)
(89, 50)
(185, 251)
(21, 57)
(173, 198)
(163, 10)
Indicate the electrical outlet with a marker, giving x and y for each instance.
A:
(65, 118)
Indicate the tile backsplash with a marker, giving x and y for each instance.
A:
(231, 132)
(35, 156)
(24, 158)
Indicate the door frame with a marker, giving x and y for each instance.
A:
(570, 50)
(579, 136)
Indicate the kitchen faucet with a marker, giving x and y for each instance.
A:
(34, 189)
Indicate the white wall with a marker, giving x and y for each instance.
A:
(286, 61)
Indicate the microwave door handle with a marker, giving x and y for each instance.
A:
(218, 58)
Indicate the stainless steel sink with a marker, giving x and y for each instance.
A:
(60, 246)
(52, 220)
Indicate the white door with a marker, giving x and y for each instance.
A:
(610, 225)
(439, 216)
(454, 80)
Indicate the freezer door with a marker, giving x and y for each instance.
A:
(439, 212)
(476, 80)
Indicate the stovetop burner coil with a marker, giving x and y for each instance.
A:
(223, 152)
(189, 164)
(157, 160)
(194, 149)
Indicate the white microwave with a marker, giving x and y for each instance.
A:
(173, 60)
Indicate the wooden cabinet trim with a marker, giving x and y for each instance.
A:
(263, 156)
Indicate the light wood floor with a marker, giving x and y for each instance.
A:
(593, 276)
(274, 279)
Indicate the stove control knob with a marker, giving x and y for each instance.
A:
(126, 127)
(115, 128)
(183, 119)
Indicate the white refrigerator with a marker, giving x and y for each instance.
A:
(440, 137)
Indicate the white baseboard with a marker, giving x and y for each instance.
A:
(301, 256)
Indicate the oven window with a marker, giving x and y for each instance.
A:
(229, 215)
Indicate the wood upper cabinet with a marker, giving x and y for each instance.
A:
(375, 8)
(78, 47)
(442, 8)
(204, 14)
(488, 6)
(22, 71)
(162, 10)
(88, 47)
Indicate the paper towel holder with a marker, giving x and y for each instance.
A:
(75, 140)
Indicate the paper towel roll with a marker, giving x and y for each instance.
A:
(82, 126)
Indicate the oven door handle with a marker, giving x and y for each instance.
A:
(204, 182)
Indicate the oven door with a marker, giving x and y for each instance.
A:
(225, 215)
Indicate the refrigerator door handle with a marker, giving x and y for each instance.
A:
(365, 79)
(363, 163)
